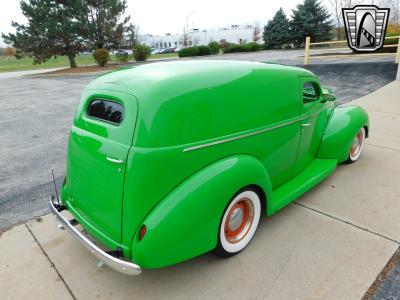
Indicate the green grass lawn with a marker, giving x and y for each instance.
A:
(12, 64)
(8, 64)
(163, 55)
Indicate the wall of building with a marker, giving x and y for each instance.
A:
(233, 34)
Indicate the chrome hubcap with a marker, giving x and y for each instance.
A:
(239, 220)
(356, 146)
(236, 219)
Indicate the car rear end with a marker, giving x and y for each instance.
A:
(98, 149)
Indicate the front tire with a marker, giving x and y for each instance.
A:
(357, 146)
(239, 223)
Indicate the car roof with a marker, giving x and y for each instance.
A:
(145, 80)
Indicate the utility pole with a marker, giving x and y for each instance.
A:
(187, 23)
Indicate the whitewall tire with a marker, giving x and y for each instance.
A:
(239, 223)
(357, 146)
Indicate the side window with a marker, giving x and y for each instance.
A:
(108, 111)
(310, 92)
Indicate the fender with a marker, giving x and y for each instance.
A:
(340, 131)
(185, 224)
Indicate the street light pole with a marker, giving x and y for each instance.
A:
(187, 23)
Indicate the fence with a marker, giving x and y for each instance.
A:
(307, 50)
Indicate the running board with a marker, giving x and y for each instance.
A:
(317, 171)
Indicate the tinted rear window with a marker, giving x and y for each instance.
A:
(108, 111)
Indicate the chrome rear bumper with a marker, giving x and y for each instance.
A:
(117, 264)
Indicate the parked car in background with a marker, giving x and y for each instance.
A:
(167, 161)
(121, 51)
(156, 51)
(168, 50)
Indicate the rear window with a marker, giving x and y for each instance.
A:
(105, 110)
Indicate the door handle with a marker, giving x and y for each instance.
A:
(115, 161)
(305, 124)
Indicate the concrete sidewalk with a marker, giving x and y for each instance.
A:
(330, 244)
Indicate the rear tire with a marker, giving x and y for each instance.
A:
(239, 222)
(357, 146)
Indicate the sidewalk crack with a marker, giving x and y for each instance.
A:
(384, 147)
(383, 112)
(51, 262)
(348, 223)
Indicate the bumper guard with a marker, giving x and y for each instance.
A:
(115, 263)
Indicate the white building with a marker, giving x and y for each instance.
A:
(233, 34)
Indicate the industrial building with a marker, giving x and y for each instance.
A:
(238, 34)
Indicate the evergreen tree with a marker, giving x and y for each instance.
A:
(55, 27)
(104, 25)
(310, 19)
(277, 32)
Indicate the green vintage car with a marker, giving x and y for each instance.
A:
(167, 161)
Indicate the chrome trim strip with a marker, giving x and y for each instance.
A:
(250, 133)
(119, 265)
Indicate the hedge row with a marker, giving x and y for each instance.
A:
(390, 42)
(249, 47)
(211, 48)
(141, 52)
(102, 55)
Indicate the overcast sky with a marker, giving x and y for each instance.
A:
(159, 17)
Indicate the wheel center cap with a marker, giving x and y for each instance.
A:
(236, 219)
(355, 147)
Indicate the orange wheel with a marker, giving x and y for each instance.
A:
(357, 146)
(239, 223)
(239, 220)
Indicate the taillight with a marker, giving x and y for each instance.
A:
(142, 232)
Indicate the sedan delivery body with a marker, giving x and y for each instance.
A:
(167, 161)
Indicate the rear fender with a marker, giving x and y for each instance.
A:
(341, 129)
(186, 222)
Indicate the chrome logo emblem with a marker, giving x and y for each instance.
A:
(365, 27)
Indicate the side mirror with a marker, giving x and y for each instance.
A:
(329, 97)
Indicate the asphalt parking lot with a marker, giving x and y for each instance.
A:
(34, 125)
(34, 122)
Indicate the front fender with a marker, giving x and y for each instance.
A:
(185, 223)
(341, 129)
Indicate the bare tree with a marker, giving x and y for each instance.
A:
(223, 44)
(394, 6)
(337, 13)
(256, 33)
(185, 38)
(133, 35)
(396, 12)
(337, 6)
